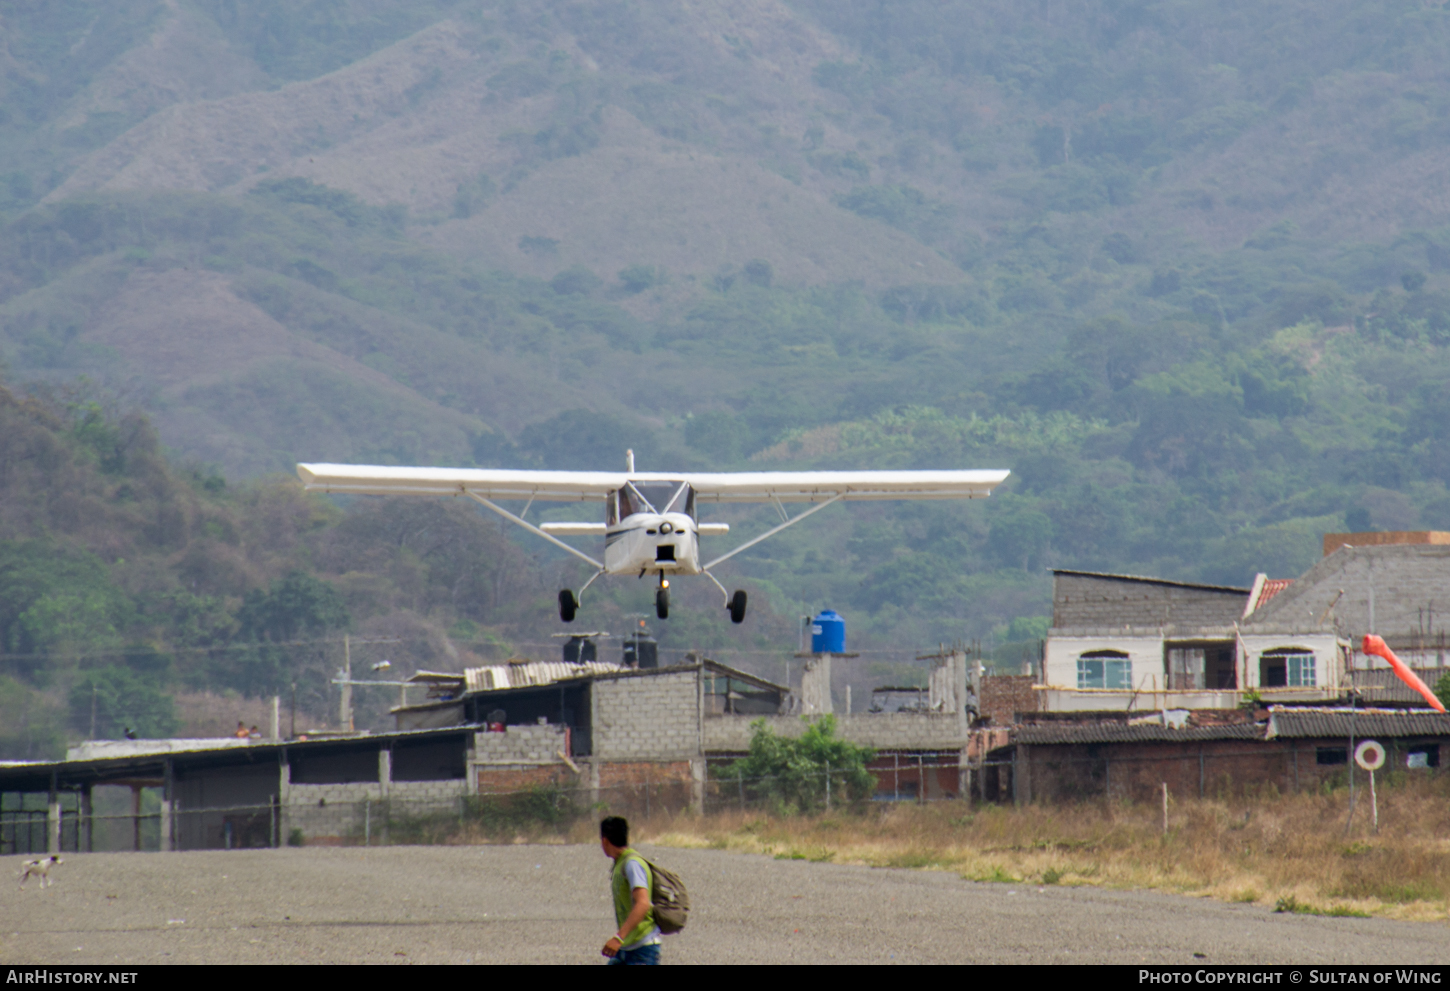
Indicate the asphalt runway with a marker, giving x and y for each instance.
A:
(549, 904)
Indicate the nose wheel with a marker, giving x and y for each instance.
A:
(568, 605)
(662, 603)
(737, 606)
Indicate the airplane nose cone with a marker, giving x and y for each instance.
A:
(667, 527)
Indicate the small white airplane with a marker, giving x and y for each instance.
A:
(650, 523)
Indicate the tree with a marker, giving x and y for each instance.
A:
(1020, 533)
(120, 699)
(295, 607)
(575, 281)
(638, 278)
(52, 598)
(791, 773)
(31, 725)
(720, 434)
(584, 440)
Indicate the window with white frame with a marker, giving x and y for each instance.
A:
(1288, 667)
(1104, 669)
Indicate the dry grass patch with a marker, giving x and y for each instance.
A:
(1292, 851)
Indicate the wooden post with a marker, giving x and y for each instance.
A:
(166, 809)
(52, 816)
(1165, 808)
(87, 818)
(136, 817)
(1374, 803)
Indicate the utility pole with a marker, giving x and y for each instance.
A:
(345, 681)
(344, 715)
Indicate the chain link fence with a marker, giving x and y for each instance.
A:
(556, 808)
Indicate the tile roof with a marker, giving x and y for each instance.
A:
(1118, 733)
(1271, 588)
(1316, 723)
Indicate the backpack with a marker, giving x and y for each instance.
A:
(670, 900)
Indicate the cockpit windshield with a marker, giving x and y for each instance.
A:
(657, 497)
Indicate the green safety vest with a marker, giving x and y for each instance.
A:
(624, 896)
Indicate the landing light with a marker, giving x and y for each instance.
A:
(665, 583)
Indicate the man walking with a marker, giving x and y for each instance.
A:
(637, 940)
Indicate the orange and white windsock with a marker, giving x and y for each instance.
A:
(1376, 646)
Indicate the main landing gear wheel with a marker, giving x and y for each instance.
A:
(662, 603)
(568, 605)
(737, 607)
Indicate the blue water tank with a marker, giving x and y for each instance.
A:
(828, 633)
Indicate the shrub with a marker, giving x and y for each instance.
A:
(792, 773)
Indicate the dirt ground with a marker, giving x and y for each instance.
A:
(549, 904)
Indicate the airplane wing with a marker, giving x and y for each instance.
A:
(818, 486)
(491, 483)
(594, 486)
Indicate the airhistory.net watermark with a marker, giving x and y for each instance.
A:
(68, 975)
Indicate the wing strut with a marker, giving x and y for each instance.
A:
(533, 529)
(769, 533)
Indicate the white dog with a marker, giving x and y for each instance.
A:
(41, 869)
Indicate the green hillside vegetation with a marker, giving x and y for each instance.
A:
(124, 578)
(1184, 268)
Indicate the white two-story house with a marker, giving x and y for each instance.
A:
(1126, 643)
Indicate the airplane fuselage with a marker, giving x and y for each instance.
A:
(650, 543)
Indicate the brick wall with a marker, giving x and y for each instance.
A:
(1138, 771)
(881, 731)
(1005, 695)
(904, 779)
(526, 744)
(652, 717)
(1084, 602)
(501, 780)
(646, 788)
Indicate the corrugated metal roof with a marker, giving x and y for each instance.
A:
(1302, 723)
(533, 673)
(256, 751)
(1118, 733)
